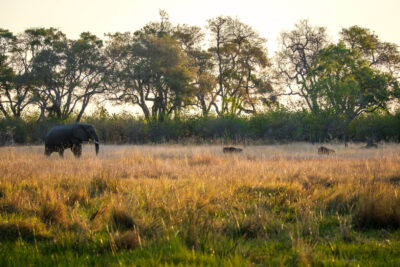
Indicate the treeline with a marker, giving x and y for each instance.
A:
(168, 71)
(266, 128)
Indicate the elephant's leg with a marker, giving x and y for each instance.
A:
(47, 151)
(61, 152)
(77, 150)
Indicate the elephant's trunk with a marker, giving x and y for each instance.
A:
(96, 142)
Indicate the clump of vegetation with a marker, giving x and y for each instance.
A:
(53, 212)
(121, 220)
(378, 207)
(100, 184)
(79, 195)
(27, 230)
(128, 240)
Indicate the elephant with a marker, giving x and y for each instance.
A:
(61, 137)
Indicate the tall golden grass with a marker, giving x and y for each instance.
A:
(140, 193)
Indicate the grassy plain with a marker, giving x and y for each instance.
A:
(194, 205)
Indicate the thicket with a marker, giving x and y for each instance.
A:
(270, 127)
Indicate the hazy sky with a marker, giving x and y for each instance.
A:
(268, 17)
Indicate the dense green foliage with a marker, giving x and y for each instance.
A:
(167, 71)
(271, 127)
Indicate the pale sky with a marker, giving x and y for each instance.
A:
(268, 17)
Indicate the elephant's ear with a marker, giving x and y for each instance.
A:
(80, 133)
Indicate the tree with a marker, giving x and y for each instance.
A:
(67, 74)
(341, 81)
(345, 85)
(241, 60)
(206, 81)
(298, 49)
(30, 44)
(191, 39)
(15, 93)
(87, 65)
(380, 55)
(152, 70)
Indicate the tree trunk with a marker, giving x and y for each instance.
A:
(344, 139)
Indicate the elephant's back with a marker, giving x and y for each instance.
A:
(58, 134)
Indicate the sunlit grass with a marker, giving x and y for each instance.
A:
(171, 204)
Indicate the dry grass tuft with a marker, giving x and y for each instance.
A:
(342, 199)
(100, 184)
(25, 230)
(17, 202)
(378, 207)
(121, 220)
(3, 191)
(128, 240)
(79, 195)
(202, 159)
(262, 224)
(53, 212)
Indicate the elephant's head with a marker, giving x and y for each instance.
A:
(85, 131)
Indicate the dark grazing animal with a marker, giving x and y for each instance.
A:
(231, 149)
(325, 151)
(61, 137)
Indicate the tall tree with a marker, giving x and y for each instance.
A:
(15, 88)
(381, 55)
(206, 81)
(31, 43)
(346, 85)
(297, 50)
(152, 70)
(191, 39)
(87, 66)
(68, 74)
(241, 63)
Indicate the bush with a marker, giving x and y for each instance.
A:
(53, 213)
(379, 207)
(128, 240)
(276, 126)
(121, 220)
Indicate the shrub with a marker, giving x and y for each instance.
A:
(121, 220)
(128, 240)
(53, 212)
(378, 207)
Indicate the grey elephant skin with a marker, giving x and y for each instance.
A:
(61, 137)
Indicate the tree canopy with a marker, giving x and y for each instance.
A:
(168, 71)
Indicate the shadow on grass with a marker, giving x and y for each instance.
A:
(29, 232)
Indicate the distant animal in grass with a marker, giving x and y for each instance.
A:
(231, 149)
(325, 151)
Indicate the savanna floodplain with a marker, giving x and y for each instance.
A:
(194, 205)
